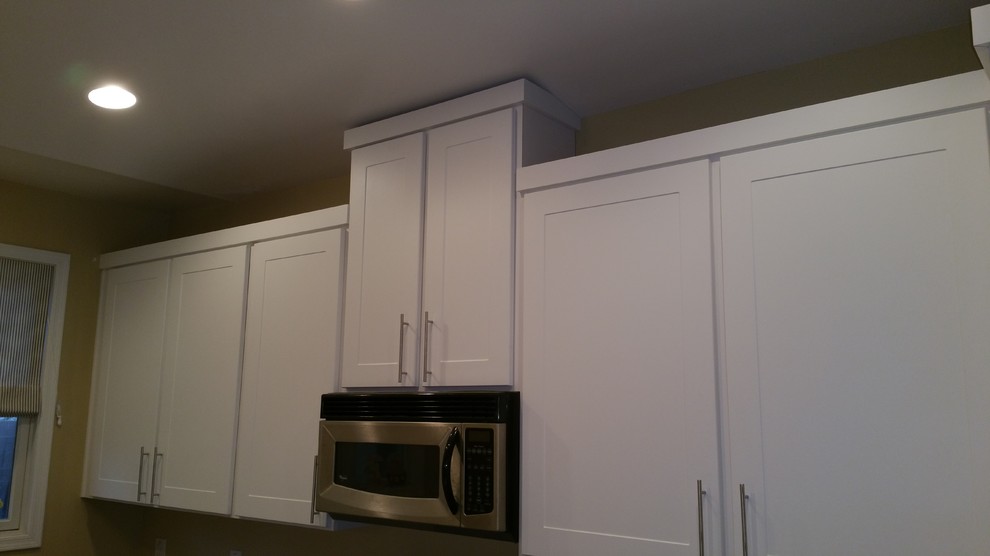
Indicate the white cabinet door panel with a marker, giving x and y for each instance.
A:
(618, 371)
(290, 359)
(128, 371)
(383, 264)
(468, 253)
(200, 380)
(857, 312)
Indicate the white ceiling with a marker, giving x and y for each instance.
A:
(239, 96)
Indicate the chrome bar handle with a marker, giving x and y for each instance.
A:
(402, 344)
(159, 456)
(312, 506)
(426, 349)
(701, 520)
(141, 473)
(742, 511)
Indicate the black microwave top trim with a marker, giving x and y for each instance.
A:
(452, 407)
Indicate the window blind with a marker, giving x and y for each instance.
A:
(25, 295)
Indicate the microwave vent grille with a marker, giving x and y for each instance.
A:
(470, 407)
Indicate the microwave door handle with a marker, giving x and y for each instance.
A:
(453, 441)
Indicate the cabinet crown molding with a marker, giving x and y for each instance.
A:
(518, 92)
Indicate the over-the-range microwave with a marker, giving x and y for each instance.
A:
(446, 461)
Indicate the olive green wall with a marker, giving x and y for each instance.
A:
(52, 221)
(901, 62)
(85, 228)
(262, 206)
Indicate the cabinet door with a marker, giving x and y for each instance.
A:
(290, 358)
(468, 267)
(857, 311)
(200, 380)
(383, 264)
(126, 381)
(618, 371)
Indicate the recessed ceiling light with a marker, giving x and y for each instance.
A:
(112, 97)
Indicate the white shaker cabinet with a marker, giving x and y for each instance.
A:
(124, 416)
(856, 283)
(429, 294)
(290, 358)
(468, 253)
(165, 388)
(461, 264)
(851, 302)
(619, 383)
(384, 261)
(179, 321)
(193, 464)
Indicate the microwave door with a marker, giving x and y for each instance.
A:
(388, 471)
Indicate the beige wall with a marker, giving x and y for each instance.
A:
(901, 62)
(59, 222)
(263, 206)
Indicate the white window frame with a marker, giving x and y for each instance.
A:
(25, 429)
(33, 450)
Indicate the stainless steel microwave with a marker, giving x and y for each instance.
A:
(438, 460)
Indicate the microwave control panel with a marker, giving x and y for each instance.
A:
(479, 471)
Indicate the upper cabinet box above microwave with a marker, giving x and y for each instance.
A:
(430, 268)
